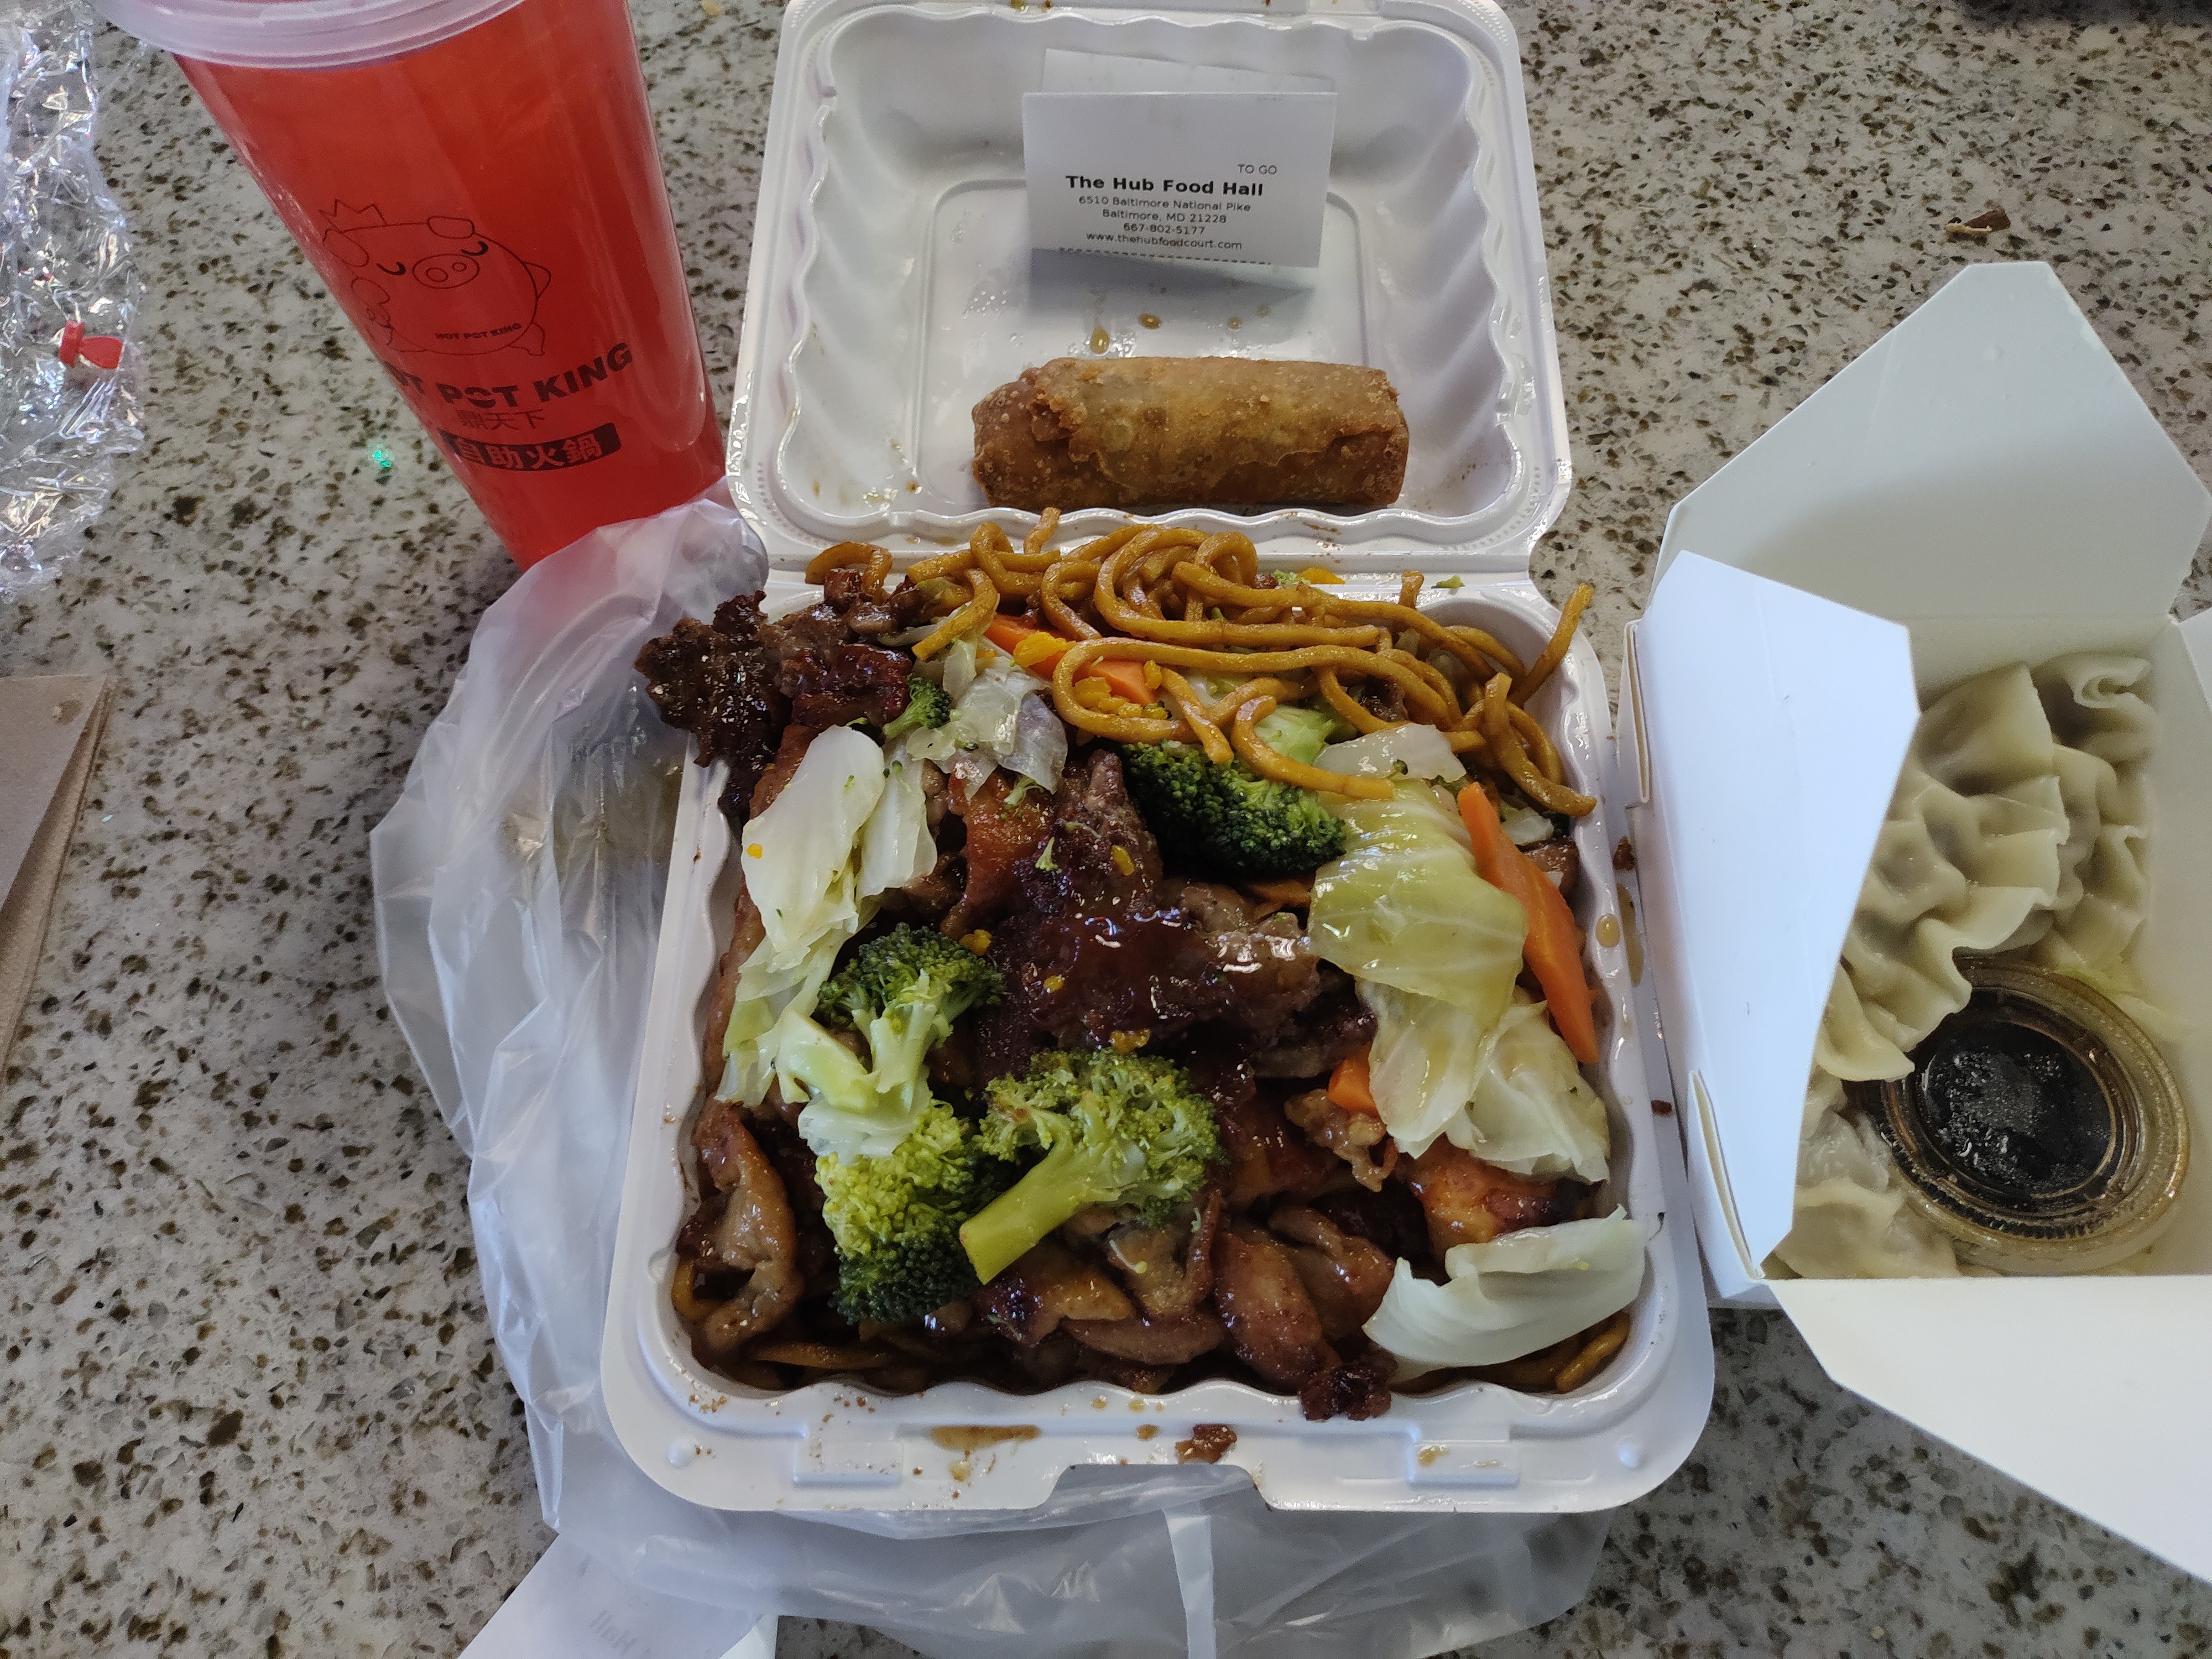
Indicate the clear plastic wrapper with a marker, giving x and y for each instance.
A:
(66, 271)
(519, 886)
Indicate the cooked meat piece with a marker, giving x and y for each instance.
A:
(1213, 906)
(1096, 816)
(1392, 1220)
(1272, 1326)
(845, 587)
(1557, 859)
(1262, 952)
(720, 1137)
(1055, 1361)
(1085, 978)
(755, 1236)
(1050, 1284)
(857, 683)
(1266, 1155)
(1334, 1025)
(1275, 893)
(1129, 1374)
(1352, 1136)
(830, 680)
(954, 1064)
(793, 1159)
(789, 752)
(745, 934)
(1004, 840)
(1470, 1202)
(1344, 1274)
(717, 682)
(1358, 1389)
(936, 797)
(816, 632)
(1094, 953)
(1167, 1339)
(1168, 1268)
(1382, 699)
(846, 592)
(1270, 973)
(925, 900)
(1088, 1225)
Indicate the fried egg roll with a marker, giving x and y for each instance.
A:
(1136, 433)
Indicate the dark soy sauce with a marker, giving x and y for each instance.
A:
(2039, 1128)
(2013, 1109)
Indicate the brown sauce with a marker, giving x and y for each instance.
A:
(975, 1437)
(1206, 1444)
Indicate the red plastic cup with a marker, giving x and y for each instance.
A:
(476, 182)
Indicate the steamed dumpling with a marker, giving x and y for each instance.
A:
(2017, 824)
(1967, 860)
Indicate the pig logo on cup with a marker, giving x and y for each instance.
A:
(438, 283)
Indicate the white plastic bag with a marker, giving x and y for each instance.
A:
(518, 884)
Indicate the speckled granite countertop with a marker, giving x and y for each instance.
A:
(250, 1407)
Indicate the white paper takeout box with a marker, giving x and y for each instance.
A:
(892, 180)
(1982, 487)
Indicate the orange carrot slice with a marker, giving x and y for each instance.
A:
(1552, 952)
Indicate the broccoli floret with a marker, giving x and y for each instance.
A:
(1300, 734)
(902, 992)
(1227, 820)
(897, 1219)
(926, 705)
(1126, 1130)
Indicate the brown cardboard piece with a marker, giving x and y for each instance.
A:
(49, 731)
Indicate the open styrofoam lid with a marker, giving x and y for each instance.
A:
(893, 284)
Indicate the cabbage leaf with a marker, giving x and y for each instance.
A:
(797, 855)
(848, 827)
(1404, 907)
(1531, 1112)
(1520, 1292)
(1421, 749)
(1000, 717)
(1423, 1067)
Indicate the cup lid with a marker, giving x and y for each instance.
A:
(296, 33)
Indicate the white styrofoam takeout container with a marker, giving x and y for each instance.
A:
(1982, 487)
(893, 286)
(1475, 1446)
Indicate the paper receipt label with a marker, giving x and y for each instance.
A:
(1183, 175)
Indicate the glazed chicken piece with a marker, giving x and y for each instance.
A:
(1169, 1268)
(1262, 1300)
(1003, 840)
(1355, 1136)
(1266, 1155)
(1029, 1301)
(1470, 1202)
(1344, 1274)
(1169, 1339)
(755, 1235)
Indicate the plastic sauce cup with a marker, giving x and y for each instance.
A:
(476, 182)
